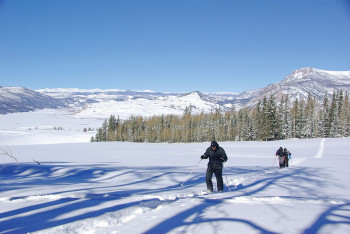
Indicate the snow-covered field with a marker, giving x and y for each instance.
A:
(46, 126)
(117, 187)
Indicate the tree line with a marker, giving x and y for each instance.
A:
(266, 121)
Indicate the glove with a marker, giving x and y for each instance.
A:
(202, 157)
(223, 160)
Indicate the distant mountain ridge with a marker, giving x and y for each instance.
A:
(19, 99)
(102, 103)
(123, 103)
(297, 85)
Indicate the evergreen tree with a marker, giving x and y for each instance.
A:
(272, 121)
(300, 121)
(112, 128)
(294, 118)
(286, 123)
(104, 131)
(264, 133)
(344, 116)
(325, 121)
(310, 118)
(258, 122)
(333, 116)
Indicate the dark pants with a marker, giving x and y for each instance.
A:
(286, 159)
(217, 170)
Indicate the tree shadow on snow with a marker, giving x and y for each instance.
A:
(334, 215)
(63, 211)
(51, 216)
(260, 180)
(48, 214)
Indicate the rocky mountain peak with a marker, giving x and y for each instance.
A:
(300, 74)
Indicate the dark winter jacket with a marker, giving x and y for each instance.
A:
(280, 152)
(216, 157)
(287, 153)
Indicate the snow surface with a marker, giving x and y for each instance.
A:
(37, 127)
(147, 107)
(338, 74)
(118, 187)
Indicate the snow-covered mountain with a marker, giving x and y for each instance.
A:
(99, 103)
(19, 99)
(297, 85)
(102, 103)
(80, 97)
(123, 103)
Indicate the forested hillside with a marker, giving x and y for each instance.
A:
(266, 121)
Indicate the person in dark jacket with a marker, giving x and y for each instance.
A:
(280, 155)
(217, 157)
(286, 156)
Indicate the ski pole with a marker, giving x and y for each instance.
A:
(274, 161)
(182, 184)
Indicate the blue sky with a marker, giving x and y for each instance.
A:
(169, 45)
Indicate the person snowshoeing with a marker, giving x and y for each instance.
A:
(286, 156)
(217, 157)
(280, 154)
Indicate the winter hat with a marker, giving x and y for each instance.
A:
(214, 144)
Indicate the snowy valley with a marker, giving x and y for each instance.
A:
(63, 183)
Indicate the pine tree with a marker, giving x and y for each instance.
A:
(263, 129)
(286, 123)
(272, 122)
(294, 117)
(327, 120)
(300, 121)
(333, 116)
(232, 125)
(345, 116)
(341, 114)
(310, 118)
(112, 128)
(257, 118)
(104, 131)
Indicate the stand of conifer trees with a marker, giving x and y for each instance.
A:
(266, 121)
